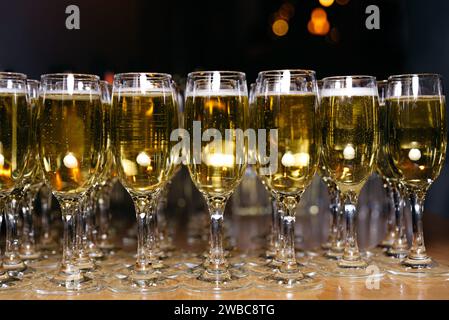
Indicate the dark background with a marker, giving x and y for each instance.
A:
(180, 36)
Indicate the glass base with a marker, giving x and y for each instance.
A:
(232, 279)
(59, 282)
(290, 282)
(141, 281)
(362, 268)
(419, 268)
(30, 255)
(43, 263)
(9, 283)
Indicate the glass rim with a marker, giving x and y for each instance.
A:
(12, 76)
(226, 73)
(382, 81)
(356, 77)
(33, 81)
(77, 76)
(411, 75)
(151, 75)
(280, 71)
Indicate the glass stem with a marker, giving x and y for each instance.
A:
(274, 236)
(46, 202)
(418, 249)
(28, 245)
(216, 261)
(104, 203)
(289, 264)
(12, 208)
(389, 208)
(400, 241)
(80, 214)
(143, 209)
(351, 252)
(68, 210)
(152, 235)
(335, 214)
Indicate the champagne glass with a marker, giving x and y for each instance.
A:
(335, 243)
(395, 242)
(349, 106)
(417, 138)
(68, 127)
(104, 238)
(33, 182)
(15, 128)
(287, 105)
(217, 104)
(143, 112)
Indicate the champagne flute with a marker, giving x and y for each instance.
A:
(349, 106)
(68, 127)
(32, 184)
(217, 103)
(395, 243)
(417, 139)
(143, 112)
(15, 128)
(287, 104)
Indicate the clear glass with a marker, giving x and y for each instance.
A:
(349, 110)
(287, 110)
(417, 140)
(15, 117)
(144, 109)
(69, 128)
(216, 109)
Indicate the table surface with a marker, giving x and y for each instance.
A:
(437, 238)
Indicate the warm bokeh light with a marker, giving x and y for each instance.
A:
(318, 14)
(326, 3)
(318, 28)
(280, 27)
(286, 11)
(342, 2)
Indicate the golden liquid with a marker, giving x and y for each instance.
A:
(417, 138)
(350, 139)
(383, 165)
(219, 173)
(69, 134)
(296, 118)
(15, 125)
(143, 123)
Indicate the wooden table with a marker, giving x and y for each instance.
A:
(437, 237)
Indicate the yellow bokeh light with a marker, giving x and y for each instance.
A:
(326, 3)
(318, 14)
(280, 27)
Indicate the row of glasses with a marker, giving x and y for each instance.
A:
(15, 128)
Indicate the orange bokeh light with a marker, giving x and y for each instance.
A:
(318, 14)
(280, 27)
(320, 28)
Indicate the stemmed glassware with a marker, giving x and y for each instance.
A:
(216, 114)
(287, 159)
(416, 147)
(349, 109)
(33, 182)
(15, 128)
(68, 127)
(395, 244)
(143, 117)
